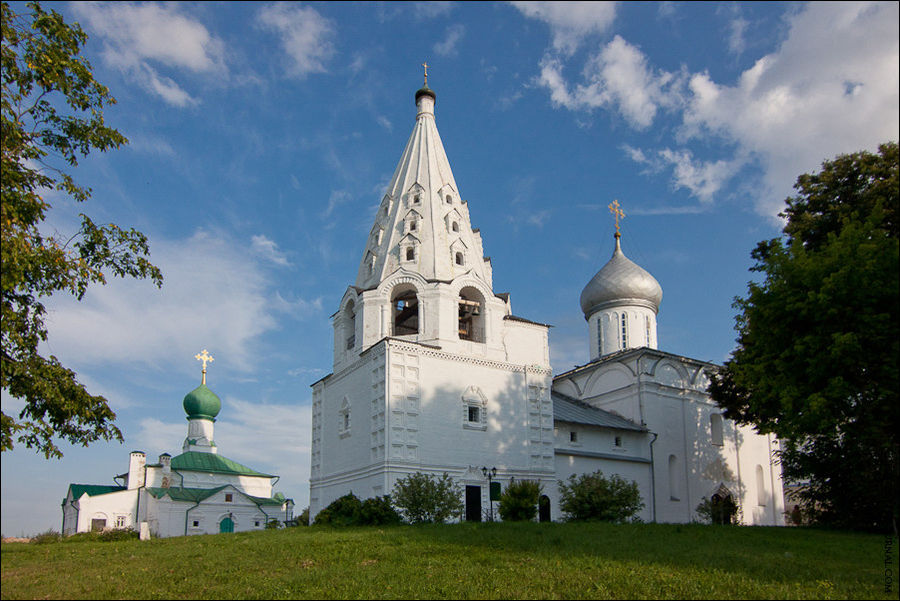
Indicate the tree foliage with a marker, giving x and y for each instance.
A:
(423, 498)
(519, 501)
(817, 348)
(594, 497)
(52, 116)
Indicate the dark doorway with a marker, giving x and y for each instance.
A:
(473, 503)
(544, 508)
(723, 509)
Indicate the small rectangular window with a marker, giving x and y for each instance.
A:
(228, 497)
(618, 441)
(573, 436)
(196, 523)
(474, 414)
(120, 521)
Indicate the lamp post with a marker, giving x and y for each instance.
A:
(489, 474)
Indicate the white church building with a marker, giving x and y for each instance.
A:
(433, 373)
(196, 492)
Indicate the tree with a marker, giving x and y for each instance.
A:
(52, 115)
(594, 497)
(350, 511)
(423, 498)
(518, 503)
(817, 347)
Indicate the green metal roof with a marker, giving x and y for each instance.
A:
(92, 490)
(195, 461)
(194, 495)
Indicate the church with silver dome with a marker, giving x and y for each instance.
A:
(434, 373)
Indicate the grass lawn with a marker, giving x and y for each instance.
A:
(557, 561)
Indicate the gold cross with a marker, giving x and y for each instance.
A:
(205, 357)
(426, 72)
(615, 210)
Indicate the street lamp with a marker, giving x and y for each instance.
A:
(490, 474)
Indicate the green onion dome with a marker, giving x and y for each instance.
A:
(202, 403)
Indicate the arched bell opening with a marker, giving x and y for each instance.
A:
(471, 315)
(404, 311)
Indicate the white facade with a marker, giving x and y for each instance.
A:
(432, 373)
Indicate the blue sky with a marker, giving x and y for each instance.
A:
(262, 137)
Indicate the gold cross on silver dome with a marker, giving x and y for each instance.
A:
(425, 65)
(205, 357)
(619, 213)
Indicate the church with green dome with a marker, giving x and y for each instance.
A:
(196, 492)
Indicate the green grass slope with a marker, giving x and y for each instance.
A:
(474, 561)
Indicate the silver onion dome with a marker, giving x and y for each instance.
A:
(620, 282)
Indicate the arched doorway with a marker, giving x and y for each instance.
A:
(544, 508)
(226, 525)
(724, 509)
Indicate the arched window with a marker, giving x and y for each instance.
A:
(624, 331)
(716, 434)
(474, 409)
(673, 478)
(350, 325)
(405, 311)
(417, 199)
(459, 258)
(412, 225)
(449, 200)
(600, 335)
(471, 315)
(455, 227)
(761, 495)
(410, 253)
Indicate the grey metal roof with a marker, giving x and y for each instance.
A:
(567, 409)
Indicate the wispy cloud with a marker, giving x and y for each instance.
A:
(138, 38)
(216, 295)
(570, 22)
(306, 36)
(703, 179)
(268, 249)
(448, 46)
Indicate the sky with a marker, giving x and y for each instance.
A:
(262, 137)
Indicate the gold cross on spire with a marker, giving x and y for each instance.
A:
(426, 72)
(205, 357)
(619, 213)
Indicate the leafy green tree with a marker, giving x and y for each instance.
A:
(817, 347)
(519, 501)
(594, 497)
(379, 511)
(52, 115)
(343, 511)
(425, 498)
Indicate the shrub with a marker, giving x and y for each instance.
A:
(343, 511)
(299, 520)
(379, 511)
(115, 534)
(426, 498)
(718, 510)
(273, 524)
(518, 503)
(594, 497)
(350, 511)
(50, 536)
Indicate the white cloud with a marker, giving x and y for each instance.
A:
(830, 88)
(703, 179)
(430, 10)
(384, 122)
(268, 249)
(447, 47)
(736, 42)
(306, 36)
(215, 295)
(136, 36)
(570, 22)
(336, 198)
(617, 77)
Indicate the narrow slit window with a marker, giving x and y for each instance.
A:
(459, 258)
(624, 331)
